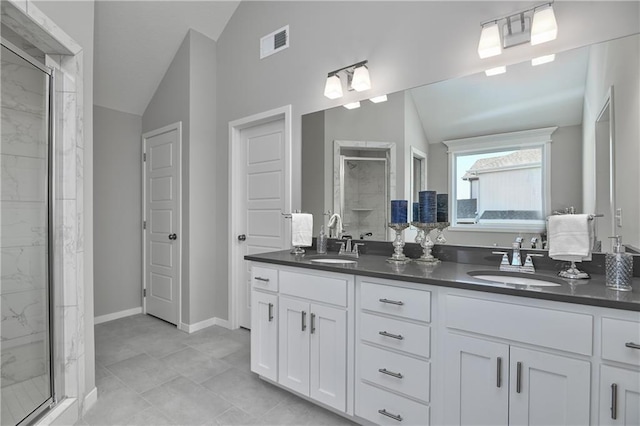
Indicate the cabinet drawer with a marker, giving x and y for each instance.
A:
(396, 334)
(264, 278)
(371, 401)
(400, 373)
(329, 289)
(616, 335)
(568, 331)
(402, 302)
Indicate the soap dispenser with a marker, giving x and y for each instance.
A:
(322, 241)
(618, 267)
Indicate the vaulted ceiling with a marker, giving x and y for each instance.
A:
(135, 42)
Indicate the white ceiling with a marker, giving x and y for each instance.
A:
(526, 97)
(135, 42)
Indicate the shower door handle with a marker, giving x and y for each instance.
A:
(173, 237)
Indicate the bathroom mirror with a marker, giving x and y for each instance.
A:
(573, 93)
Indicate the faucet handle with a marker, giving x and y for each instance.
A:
(528, 263)
(355, 248)
(505, 257)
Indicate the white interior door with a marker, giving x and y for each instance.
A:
(162, 222)
(262, 199)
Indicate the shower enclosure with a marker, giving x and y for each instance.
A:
(364, 195)
(26, 383)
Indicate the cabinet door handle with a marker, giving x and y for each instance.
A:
(392, 302)
(266, 280)
(270, 312)
(384, 412)
(614, 401)
(304, 320)
(313, 323)
(518, 377)
(393, 336)
(499, 374)
(390, 373)
(632, 345)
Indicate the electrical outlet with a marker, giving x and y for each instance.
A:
(619, 218)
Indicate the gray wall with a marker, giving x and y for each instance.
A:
(622, 71)
(118, 211)
(187, 93)
(76, 19)
(407, 44)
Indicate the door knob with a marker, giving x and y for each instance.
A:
(242, 237)
(173, 237)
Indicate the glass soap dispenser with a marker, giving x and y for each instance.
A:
(322, 241)
(618, 267)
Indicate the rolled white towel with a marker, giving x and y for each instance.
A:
(335, 225)
(570, 237)
(301, 229)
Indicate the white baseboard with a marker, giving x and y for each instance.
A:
(192, 328)
(90, 400)
(117, 315)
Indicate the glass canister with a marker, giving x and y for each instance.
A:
(618, 267)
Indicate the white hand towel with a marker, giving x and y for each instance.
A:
(335, 225)
(570, 237)
(301, 229)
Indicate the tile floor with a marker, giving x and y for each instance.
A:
(150, 373)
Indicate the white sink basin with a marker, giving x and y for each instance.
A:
(333, 260)
(516, 278)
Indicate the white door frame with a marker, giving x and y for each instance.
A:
(235, 127)
(178, 127)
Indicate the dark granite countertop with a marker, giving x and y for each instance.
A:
(451, 274)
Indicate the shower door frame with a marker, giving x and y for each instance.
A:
(50, 402)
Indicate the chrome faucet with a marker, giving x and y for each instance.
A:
(347, 250)
(515, 257)
(516, 260)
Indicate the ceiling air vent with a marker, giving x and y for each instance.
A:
(274, 42)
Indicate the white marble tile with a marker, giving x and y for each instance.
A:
(23, 268)
(23, 224)
(68, 241)
(24, 362)
(44, 23)
(23, 178)
(23, 313)
(68, 147)
(23, 134)
(23, 87)
(80, 197)
(20, 4)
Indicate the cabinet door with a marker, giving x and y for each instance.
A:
(476, 387)
(548, 389)
(619, 404)
(264, 334)
(328, 335)
(293, 362)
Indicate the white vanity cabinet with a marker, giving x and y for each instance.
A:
(498, 380)
(393, 349)
(313, 330)
(264, 322)
(620, 372)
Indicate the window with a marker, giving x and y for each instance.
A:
(500, 182)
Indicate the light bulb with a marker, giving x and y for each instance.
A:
(544, 27)
(489, 41)
(361, 80)
(333, 87)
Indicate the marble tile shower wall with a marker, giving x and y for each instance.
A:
(24, 222)
(365, 198)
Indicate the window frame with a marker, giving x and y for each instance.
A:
(526, 139)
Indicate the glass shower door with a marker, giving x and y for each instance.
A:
(25, 331)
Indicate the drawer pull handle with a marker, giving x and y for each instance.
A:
(384, 412)
(392, 302)
(499, 375)
(390, 373)
(393, 336)
(632, 345)
(519, 377)
(266, 280)
(614, 401)
(270, 312)
(304, 320)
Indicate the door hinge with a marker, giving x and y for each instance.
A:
(144, 224)
(144, 292)
(144, 156)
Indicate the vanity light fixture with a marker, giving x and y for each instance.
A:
(495, 71)
(352, 105)
(358, 79)
(378, 99)
(536, 25)
(543, 59)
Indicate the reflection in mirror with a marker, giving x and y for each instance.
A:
(569, 93)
